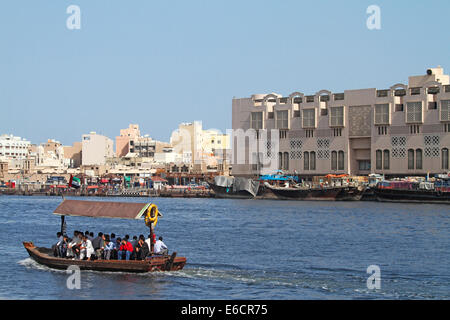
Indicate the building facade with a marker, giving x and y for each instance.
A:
(403, 130)
(12, 147)
(96, 149)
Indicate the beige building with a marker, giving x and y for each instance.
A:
(198, 147)
(96, 149)
(402, 130)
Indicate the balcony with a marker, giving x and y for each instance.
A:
(339, 96)
(400, 93)
(382, 93)
(310, 98)
(415, 91)
(298, 100)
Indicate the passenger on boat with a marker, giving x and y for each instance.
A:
(62, 247)
(141, 250)
(160, 247)
(73, 248)
(116, 247)
(86, 248)
(56, 245)
(113, 238)
(98, 244)
(108, 249)
(125, 248)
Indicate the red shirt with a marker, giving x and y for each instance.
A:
(127, 247)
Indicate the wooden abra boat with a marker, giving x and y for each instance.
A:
(105, 209)
(45, 257)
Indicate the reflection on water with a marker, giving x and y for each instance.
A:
(246, 249)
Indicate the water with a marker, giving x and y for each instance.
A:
(245, 249)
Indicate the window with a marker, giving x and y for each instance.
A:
(379, 160)
(446, 127)
(415, 91)
(286, 161)
(414, 129)
(410, 159)
(432, 105)
(282, 119)
(333, 160)
(445, 110)
(283, 134)
(280, 160)
(296, 113)
(445, 158)
(341, 160)
(386, 159)
(337, 132)
(312, 160)
(336, 116)
(414, 112)
(419, 159)
(382, 113)
(306, 160)
(364, 165)
(309, 133)
(382, 130)
(309, 118)
(256, 120)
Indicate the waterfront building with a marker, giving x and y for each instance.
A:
(131, 141)
(398, 131)
(96, 149)
(198, 147)
(72, 154)
(12, 147)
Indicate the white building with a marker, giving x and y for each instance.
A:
(12, 147)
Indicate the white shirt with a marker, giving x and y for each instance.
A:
(158, 245)
(88, 245)
(147, 241)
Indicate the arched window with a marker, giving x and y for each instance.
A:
(306, 160)
(312, 160)
(445, 158)
(333, 160)
(379, 159)
(286, 161)
(410, 159)
(280, 160)
(418, 158)
(341, 160)
(386, 160)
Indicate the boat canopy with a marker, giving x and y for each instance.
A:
(101, 209)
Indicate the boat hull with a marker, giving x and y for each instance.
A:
(330, 194)
(420, 196)
(227, 193)
(159, 263)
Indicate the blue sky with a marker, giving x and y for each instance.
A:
(159, 63)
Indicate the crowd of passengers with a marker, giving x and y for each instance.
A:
(84, 246)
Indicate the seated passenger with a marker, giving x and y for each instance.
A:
(98, 243)
(62, 247)
(86, 248)
(108, 249)
(73, 248)
(141, 250)
(55, 247)
(160, 247)
(125, 248)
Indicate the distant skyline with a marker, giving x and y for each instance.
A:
(158, 64)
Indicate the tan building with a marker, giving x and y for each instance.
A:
(402, 130)
(73, 154)
(96, 149)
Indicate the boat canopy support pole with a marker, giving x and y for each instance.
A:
(63, 225)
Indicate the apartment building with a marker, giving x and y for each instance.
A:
(401, 130)
(96, 149)
(12, 147)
